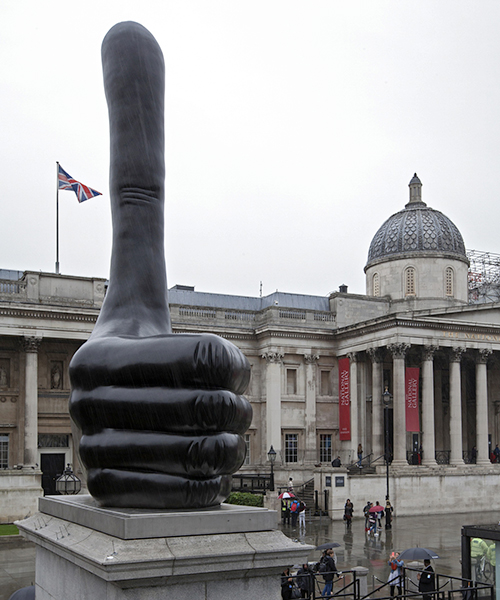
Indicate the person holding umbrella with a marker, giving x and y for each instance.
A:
(374, 516)
(285, 506)
(328, 571)
(426, 582)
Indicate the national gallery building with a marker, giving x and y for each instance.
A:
(411, 366)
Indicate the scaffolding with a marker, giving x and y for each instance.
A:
(483, 277)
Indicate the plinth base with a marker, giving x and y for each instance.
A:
(77, 562)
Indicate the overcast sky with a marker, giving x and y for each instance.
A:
(292, 132)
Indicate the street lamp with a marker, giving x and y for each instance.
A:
(386, 398)
(271, 455)
(68, 483)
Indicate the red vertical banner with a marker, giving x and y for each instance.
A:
(344, 400)
(411, 399)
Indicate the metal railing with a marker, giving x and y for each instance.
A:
(254, 484)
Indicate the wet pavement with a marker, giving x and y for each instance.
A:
(441, 533)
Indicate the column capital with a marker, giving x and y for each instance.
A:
(398, 350)
(273, 357)
(310, 359)
(353, 356)
(376, 355)
(483, 355)
(456, 354)
(31, 343)
(428, 352)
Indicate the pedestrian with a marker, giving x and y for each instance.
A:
(302, 515)
(394, 579)
(388, 515)
(366, 512)
(336, 462)
(285, 512)
(328, 572)
(286, 584)
(294, 511)
(348, 512)
(473, 455)
(496, 452)
(379, 514)
(360, 455)
(305, 581)
(372, 524)
(426, 581)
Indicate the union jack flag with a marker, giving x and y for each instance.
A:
(66, 182)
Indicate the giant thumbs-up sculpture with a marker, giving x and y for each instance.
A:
(161, 415)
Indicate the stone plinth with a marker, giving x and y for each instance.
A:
(78, 562)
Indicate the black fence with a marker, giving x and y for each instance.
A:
(253, 484)
(347, 584)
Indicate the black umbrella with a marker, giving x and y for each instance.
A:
(328, 545)
(417, 554)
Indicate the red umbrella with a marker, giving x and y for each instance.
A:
(285, 495)
(376, 508)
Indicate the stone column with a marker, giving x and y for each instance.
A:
(456, 407)
(482, 407)
(376, 357)
(399, 417)
(353, 388)
(273, 401)
(30, 346)
(428, 429)
(310, 413)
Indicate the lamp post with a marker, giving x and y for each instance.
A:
(68, 483)
(271, 455)
(386, 398)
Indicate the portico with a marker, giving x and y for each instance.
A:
(457, 362)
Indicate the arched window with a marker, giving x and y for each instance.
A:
(376, 285)
(410, 288)
(448, 281)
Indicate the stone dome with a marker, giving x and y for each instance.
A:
(417, 229)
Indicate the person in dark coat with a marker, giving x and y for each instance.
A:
(426, 581)
(328, 576)
(286, 584)
(388, 515)
(305, 581)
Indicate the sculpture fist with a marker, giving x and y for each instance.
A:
(161, 414)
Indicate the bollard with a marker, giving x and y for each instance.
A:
(362, 575)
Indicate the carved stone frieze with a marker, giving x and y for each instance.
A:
(456, 354)
(398, 350)
(483, 355)
(273, 357)
(376, 354)
(428, 352)
(31, 344)
(310, 359)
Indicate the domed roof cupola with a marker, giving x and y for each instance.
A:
(416, 230)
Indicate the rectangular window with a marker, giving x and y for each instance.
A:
(291, 382)
(247, 446)
(325, 387)
(291, 447)
(325, 448)
(4, 451)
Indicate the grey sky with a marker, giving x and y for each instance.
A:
(292, 132)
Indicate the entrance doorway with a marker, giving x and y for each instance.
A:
(52, 466)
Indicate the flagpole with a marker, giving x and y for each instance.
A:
(57, 220)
